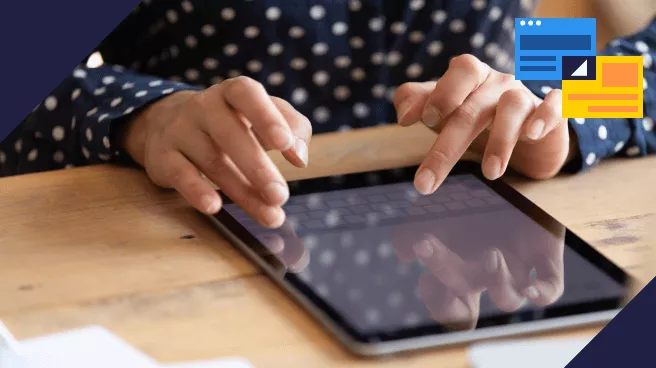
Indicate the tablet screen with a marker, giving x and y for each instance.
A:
(387, 261)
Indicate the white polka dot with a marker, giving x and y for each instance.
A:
(187, 6)
(210, 63)
(172, 15)
(342, 61)
(395, 299)
(108, 79)
(590, 158)
(92, 111)
(99, 91)
(414, 70)
(127, 85)
(128, 110)
(327, 258)
(168, 91)
(79, 73)
(361, 257)
(378, 90)
(141, 93)
(416, 5)
(360, 110)
(355, 5)
(85, 152)
(538, 22)
(298, 64)
(644, 84)
(191, 41)
(217, 79)
(58, 157)
(439, 16)
(228, 14)
(527, 4)
(296, 32)
(58, 133)
(340, 28)
(230, 49)
(642, 47)
(394, 58)
(191, 74)
(72, 123)
(342, 93)
(38, 135)
(299, 96)
(648, 124)
(495, 13)
(18, 146)
(545, 89)
(273, 13)
(3, 158)
(102, 117)
(478, 4)
(75, 94)
(106, 142)
(254, 66)
(647, 61)
(50, 103)
(155, 83)
(275, 49)
(320, 78)
(602, 132)
(317, 12)
(276, 78)
(251, 32)
(174, 51)
(31, 156)
(477, 40)
(530, 23)
(416, 36)
(358, 74)
(321, 114)
(390, 93)
(579, 121)
(434, 48)
(208, 30)
(619, 146)
(104, 156)
(376, 24)
(508, 24)
(69, 166)
(234, 73)
(377, 58)
(89, 134)
(398, 28)
(320, 48)
(457, 26)
(356, 42)
(633, 151)
(614, 43)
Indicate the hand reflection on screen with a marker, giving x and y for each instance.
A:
(287, 247)
(507, 255)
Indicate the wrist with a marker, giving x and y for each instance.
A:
(132, 136)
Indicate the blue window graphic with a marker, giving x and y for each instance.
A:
(540, 45)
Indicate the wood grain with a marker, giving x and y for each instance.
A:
(102, 245)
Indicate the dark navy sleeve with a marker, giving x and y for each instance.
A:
(75, 124)
(603, 138)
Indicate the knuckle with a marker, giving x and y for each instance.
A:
(516, 98)
(241, 86)
(465, 61)
(215, 164)
(402, 93)
(467, 115)
(438, 157)
(506, 78)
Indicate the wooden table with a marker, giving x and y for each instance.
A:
(102, 245)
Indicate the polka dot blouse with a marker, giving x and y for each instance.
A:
(337, 61)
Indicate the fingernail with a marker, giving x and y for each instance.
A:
(281, 137)
(276, 193)
(404, 108)
(492, 263)
(431, 116)
(301, 150)
(535, 130)
(272, 218)
(424, 181)
(492, 167)
(210, 203)
(423, 249)
(531, 292)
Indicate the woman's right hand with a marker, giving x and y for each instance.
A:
(223, 133)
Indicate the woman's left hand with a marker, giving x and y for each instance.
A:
(473, 105)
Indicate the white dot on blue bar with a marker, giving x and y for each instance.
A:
(522, 23)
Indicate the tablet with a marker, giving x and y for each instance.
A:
(387, 270)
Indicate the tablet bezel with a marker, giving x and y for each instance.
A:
(426, 336)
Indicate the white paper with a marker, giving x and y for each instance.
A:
(87, 347)
(539, 353)
(219, 363)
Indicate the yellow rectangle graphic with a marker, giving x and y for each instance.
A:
(617, 91)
